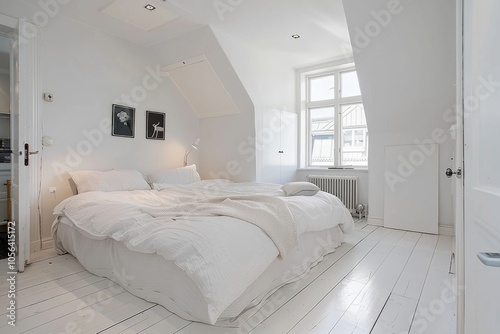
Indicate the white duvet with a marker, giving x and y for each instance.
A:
(222, 254)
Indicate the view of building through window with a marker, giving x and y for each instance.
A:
(337, 130)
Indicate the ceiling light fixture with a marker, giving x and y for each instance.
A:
(150, 7)
(295, 36)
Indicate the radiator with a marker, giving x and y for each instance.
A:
(344, 187)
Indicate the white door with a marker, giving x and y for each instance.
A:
(278, 143)
(288, 146)
(482, 162)
(24, 137)
(19, 177)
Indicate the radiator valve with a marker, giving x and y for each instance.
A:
(361, 210)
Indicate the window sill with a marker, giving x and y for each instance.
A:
(326, 169)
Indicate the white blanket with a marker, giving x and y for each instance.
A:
(222, 254)
(269, 213)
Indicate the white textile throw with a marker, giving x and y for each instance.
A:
(269, 213)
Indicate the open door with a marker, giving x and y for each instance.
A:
(482, 158)
(24, 134)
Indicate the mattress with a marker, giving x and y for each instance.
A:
(153, 278)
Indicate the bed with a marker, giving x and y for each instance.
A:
(208, 251)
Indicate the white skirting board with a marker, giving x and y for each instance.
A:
(411, 188)
(443, 229)
(47, 243)
(378, 221)
(447, 230)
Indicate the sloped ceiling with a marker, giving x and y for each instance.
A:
(201, 87)
(263, 23)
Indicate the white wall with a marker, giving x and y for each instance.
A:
(87, 71)
(406, 67)
(271, 85)
(219, 136)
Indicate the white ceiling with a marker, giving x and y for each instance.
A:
(266, 24)
(136, 12)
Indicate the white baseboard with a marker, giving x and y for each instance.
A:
(47, 243)
(35, 246)
(442, 229)
(446, 230)
(378, 221)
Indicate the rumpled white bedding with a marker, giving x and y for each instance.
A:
(270, 213)
(223, 255)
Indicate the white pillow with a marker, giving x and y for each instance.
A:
(182, 175)
(113, 180)
(300, 189)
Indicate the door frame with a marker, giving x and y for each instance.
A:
(29, 109)
(459, 184)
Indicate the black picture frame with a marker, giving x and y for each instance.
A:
(123, 121)
(155, 125)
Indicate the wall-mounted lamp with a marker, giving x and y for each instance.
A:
(193, 146)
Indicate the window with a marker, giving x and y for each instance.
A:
(334, 130)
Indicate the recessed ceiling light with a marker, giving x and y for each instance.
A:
(296, 36)
(150, 7)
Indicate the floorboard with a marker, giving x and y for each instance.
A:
(361, 316)
(396, 316)
(379, 281)
(297, 308)
(139, 322)
(436, 306)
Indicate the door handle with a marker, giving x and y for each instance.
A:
(27, 154)
(449, 172)
(490, 259)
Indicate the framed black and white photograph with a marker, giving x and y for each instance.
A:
(155, 125)
(123, 121)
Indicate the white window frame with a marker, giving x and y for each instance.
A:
(303, 89)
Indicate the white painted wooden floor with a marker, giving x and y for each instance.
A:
(379, 281)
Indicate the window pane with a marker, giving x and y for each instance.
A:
(322, 113)
(322, 126)
(347, 138)
(322, 88)
(359, 138)
(353, 115)
(350, 84)
(354, 135)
